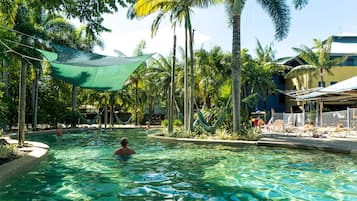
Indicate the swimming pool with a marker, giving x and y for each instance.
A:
(80, 166)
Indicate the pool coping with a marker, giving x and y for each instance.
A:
(34, 154)
(328, 145)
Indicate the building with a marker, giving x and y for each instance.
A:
(342, 45)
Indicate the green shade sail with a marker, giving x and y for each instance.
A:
(89, 70)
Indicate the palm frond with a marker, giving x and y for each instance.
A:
(300, 70)
(156, 23)
(280, 14)
(299, 4)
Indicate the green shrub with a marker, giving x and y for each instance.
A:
(165, 122)
(223, 134)
(234, 137)
(181, 133)
(250, 133)
(177, 122)
(203, 136)
(8, 151)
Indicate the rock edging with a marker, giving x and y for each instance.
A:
(37, 152)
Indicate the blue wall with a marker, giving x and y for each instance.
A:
(273, 100)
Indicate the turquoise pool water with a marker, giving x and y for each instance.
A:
(80, 166)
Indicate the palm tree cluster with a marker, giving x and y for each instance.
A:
(316, 61)
(203, 74)
(181, 10)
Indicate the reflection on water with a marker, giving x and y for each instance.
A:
(82, 167)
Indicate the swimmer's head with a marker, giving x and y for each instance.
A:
(124, 141)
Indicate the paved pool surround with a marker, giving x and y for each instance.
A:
(335, 145)
(33, 155)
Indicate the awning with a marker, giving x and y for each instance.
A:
(342, 91)
(89, 70)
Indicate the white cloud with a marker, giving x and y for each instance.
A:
(162, 43)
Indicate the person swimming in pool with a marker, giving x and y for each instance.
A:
(124, 151)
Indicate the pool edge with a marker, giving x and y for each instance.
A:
(262, 142)
(25, 163)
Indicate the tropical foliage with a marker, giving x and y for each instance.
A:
(318, 61)
(279, 11)
(160, 82)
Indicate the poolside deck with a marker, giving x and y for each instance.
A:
(31, 156)
(331, 144)
(346, 145)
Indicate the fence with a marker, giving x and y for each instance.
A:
(344, 118)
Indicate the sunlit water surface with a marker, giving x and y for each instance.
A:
(80, 166)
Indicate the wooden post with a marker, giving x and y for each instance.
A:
(321, 107)
(22, 105)
(74, 105)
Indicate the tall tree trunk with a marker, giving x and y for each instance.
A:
(172, 91)
(105, 114)
(6, 77)
(74, 106)
(22, 105)
(136, 102)
(111, 115)
(191, 81)
(236, 74)
(35, 99)
(185, 82)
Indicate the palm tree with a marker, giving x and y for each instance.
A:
(179, 11)
(144, 8)
(161, 71)
(54, 27)
(279, 11)
(212, 71)
(8, 11)
(136, 78)
(267, 67)
(317, 60)
(19, 19)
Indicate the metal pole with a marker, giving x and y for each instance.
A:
(348, 117)
(321, 107)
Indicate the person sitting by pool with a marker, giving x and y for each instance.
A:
(309, 125)
(260, 122)
(124, 151)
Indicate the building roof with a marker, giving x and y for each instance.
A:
(343, 90)
(342, 44)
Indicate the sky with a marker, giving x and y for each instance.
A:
(319, 19)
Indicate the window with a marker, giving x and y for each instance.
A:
(349, 62)
(333, 82)
(281, 79)
(281, 98)
(321, 84)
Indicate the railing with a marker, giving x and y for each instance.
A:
(343, 118)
